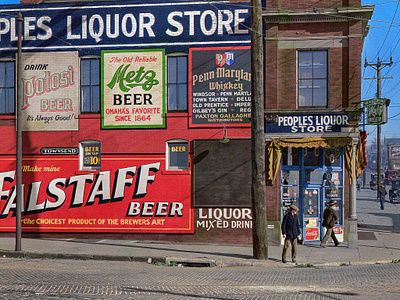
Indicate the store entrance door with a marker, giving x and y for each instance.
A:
(310, 178)
(311, 199)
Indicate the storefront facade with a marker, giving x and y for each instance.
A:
(136, 119)
(312, 165)
(312, 112)
(124, 105)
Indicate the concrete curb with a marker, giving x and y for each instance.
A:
(184, 262)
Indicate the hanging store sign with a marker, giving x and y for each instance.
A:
(307, 123)
(133, 89)
(130, 195)
(376, 111)
(219, 86)
(50, 91)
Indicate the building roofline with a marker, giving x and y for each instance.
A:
(339, 14)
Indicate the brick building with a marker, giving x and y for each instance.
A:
(136, 116)
(312, 107)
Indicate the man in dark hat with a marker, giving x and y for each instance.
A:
(330, 217)
(290, 232)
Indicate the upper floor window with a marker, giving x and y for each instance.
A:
(313, 78)
(7, 84)
(177, 83)
(90, 85)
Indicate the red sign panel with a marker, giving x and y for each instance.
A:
(130, 194)
(338, 230)
(312, 234)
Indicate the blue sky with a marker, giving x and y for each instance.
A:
(383, 41)
(8, 2)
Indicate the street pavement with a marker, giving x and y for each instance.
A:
(379, 242)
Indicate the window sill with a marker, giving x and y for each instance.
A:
(7, 117)
(89, 116)
(177, 114)
(175, 172)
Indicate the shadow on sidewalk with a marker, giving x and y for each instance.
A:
(395, 220)
(143, 246)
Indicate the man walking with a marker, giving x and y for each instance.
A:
(290, 232)
(330, 216)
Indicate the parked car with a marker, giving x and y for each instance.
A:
(389, 174)
(374, 181)
(394, 192)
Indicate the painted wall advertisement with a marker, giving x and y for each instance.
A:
(133, 89)
(50, 91)
(125, 25)
(220, 86)
(130, 195)
(224, 218)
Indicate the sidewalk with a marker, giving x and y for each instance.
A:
(379, 242)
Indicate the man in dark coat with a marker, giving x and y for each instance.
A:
(290, 232)
(330, 217)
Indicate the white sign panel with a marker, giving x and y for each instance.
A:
(50, 91)
(133, 94)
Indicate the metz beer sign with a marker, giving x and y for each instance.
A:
(376, 110)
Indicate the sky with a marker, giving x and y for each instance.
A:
(9, 2)
(383, 41)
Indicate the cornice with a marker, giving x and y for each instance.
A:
(340, 14)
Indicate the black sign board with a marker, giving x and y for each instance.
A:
(220, 86)
(59, 150)
(222, 173)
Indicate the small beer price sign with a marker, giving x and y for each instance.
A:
(90, 158)
(376, 110)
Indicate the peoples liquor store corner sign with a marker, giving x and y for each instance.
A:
(306, 123)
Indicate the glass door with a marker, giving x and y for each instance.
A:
(311, 197)
(311, 213)
(310, 178)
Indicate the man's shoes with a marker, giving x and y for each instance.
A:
(293, 261)
(337, 244)
(284, 260)
(322, 246)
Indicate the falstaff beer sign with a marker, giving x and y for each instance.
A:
(50, 91)
(130, 195)
(133, 89)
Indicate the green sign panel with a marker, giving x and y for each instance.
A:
(376, 111)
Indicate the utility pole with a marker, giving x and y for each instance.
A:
(378, 66)
(18, 186)
(258, 188)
